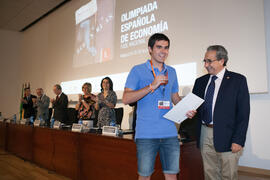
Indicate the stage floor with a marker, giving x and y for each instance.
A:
(14, 168)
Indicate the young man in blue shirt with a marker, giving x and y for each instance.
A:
(154, 86)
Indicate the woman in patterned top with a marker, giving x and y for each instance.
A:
(106, 101)
(86, 104)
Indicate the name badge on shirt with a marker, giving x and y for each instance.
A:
(163, 104)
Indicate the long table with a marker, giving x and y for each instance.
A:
(88, 156)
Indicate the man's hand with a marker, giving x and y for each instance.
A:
(161, 79)
(191, 114)
(24, 101)
(236, 148)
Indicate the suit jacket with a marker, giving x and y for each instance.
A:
(28, 107)
(231, 111)
(60, 108)
(43, 107)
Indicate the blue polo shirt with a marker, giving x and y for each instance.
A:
(150, 121)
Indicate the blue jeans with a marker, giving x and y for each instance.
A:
(169, 152)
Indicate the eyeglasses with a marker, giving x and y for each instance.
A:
(209, 61)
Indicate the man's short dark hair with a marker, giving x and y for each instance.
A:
(27, 88)
(221, 53)
(157, 37)
(58, 87)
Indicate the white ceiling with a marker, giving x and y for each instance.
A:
(17, 14)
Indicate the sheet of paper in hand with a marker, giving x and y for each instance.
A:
(179, 111)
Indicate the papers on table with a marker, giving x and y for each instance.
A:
(179, 111)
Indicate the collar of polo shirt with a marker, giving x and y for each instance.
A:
(148, 64)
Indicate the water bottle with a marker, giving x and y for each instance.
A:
(14, 118)
(32, 120)
(80, 121)
(112, 123)
(52, 122)
(41, 121)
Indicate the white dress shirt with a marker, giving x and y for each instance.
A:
(59, 95)
(218, 81)
(40, 97)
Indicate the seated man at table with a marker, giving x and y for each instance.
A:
(28, 106)
(59, 104)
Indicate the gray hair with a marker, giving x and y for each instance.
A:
(221, 53)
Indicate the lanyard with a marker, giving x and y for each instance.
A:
(154, 74)
(152, 68)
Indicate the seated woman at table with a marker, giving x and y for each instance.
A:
(106, 101)
(86, 103)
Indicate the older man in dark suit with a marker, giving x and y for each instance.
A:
(223, 118)
(59, 104)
